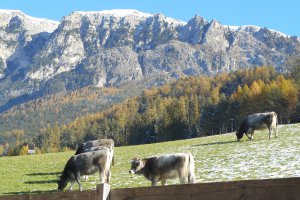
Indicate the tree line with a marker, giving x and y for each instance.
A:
(187, 108)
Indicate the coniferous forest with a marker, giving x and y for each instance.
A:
(186, 108)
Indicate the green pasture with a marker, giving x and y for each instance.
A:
(217, 158)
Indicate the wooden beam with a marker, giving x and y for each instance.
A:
(275, 189)
(102, 191)
(74, 195)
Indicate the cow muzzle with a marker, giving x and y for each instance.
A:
(131, 172)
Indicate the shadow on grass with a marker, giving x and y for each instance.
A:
(41, 182)
(215, 143)
(30, 192)
(44, 174)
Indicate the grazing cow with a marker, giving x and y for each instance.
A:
(165, 167)
(258, 121)
(85, 164)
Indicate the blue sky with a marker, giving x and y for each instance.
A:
(281, 15)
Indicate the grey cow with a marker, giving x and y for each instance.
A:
(257, 121)
(161, 168)
(96, 144)
(85, 164)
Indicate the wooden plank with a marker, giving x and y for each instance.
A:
(275, 189)
(74, 195)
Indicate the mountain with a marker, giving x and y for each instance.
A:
(39, 57)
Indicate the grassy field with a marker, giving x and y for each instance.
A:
(217, 158)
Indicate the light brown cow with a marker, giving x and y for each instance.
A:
(161, 168)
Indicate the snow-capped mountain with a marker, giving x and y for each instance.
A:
(112, 47)
(18, 30)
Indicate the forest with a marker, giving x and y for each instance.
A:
(187, 108)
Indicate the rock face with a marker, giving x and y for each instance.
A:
(110, 48)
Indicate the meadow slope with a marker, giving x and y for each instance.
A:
(217, 158)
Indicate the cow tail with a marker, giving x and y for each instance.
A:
(276, 119)
(191, 168)
(113, 160)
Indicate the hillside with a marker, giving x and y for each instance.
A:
(217, 158)
(187, 108)
(61, 108)
(39, 57)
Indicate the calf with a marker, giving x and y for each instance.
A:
(165, 167)
(258, 121)
(85, 164)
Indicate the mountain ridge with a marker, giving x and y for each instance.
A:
(113, 47)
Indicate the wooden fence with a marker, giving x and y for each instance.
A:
(271, 189)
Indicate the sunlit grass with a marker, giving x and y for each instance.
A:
(217, 158)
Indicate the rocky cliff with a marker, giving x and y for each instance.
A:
(110, 48)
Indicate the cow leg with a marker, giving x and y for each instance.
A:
(154, 181)
(182, 178)
(164, 182)
(251, 133)
(276, 133)
(72, 184)
(191, 177)
(270, 132)
(85, 177)
(79, 183)
(246, 133)
(108, 175)
(102, 180)
(77, 176)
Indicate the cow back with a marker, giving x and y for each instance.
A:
(91, 162)
(164, 164)
(87, 146)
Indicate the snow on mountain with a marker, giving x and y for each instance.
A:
(117, 13)
(18, 30)
(33, 24)
(121, 13)
(112, 47)
(253, 29)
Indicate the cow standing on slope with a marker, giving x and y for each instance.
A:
(164, 167)
(96, 144)
(257, 121)
(85, 164)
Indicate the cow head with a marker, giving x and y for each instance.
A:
(62, 183)
(239, 135)
(136, 166)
